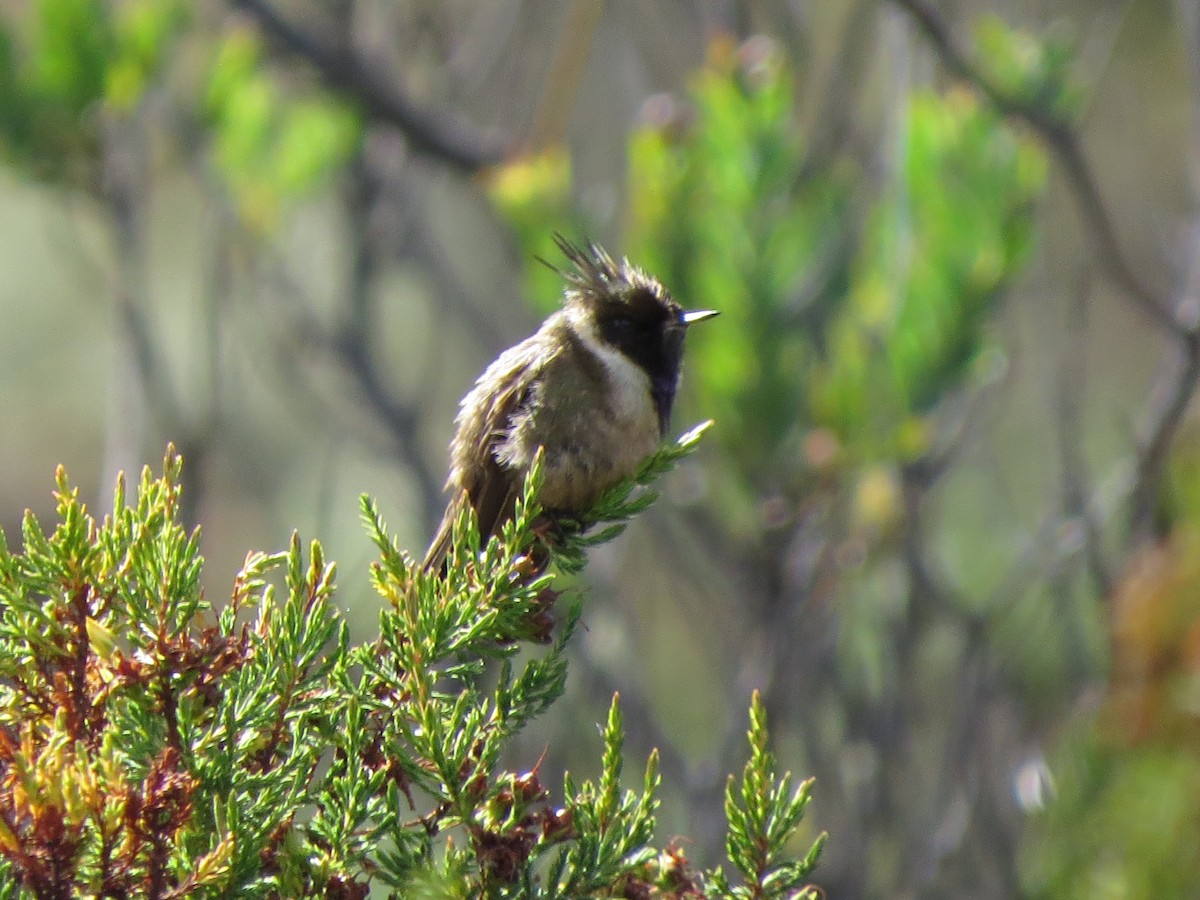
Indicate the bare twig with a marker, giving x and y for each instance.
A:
(149, 381)
(562, 81)
(354, 342)
(1188, 15)
(833, 120)
(1169, 401)
(349, 343)
(354, 359)
(1131, 485)
(122, 192)
(441, 135)
(1072, 383)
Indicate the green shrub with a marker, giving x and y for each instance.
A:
(155, 744)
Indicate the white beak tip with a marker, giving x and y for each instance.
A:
(692, 316)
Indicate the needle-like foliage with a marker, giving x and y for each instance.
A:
(154, 745)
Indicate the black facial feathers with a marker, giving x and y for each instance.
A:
(632, 313)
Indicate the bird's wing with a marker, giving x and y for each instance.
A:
(476, 475)
(435, 556)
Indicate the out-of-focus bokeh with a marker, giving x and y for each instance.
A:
(949, 516)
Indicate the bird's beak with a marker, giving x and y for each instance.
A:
(692, 316)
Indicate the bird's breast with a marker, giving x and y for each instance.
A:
(595, 417)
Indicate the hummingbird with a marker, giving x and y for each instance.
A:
(592, 389)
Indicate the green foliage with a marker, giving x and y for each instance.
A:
(71, 41)
(878, 321)
(937, 254)
(68, 64)
(152, 745)
(615, 827)
(1122, 824)
(153, 748)
(1032, 71)
(269, 145)
(763, 814)
(726, 215)
(144, 33)
(72, 65)
(1122, 820)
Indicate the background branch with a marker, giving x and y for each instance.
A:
(444, 136)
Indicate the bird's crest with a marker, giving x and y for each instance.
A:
(595, 274)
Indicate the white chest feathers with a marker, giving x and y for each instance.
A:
(629, 390)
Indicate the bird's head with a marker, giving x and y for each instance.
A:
(630, 311)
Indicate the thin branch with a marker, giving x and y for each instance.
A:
(123, 193)
(444, 136)
(1170, 401)
(400, 420)
(1063, 143)
(1132, 484)
(354, 344)
(1070, 433)
(833, 120)
(349, 343)
(121, 204)
(562, 81)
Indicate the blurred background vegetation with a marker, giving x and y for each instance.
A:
(949, 519)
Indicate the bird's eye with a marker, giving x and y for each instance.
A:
(620, 324)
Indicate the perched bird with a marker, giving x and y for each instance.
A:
(593, 387)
